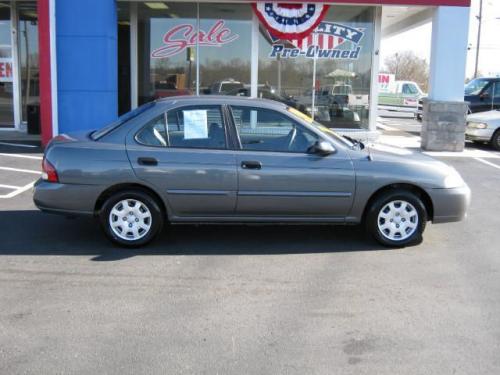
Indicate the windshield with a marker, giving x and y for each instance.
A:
(120, 121)
(323, 129)
(475, 86)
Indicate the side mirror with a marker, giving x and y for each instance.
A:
(322, 148)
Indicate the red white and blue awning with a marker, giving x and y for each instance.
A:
(290, 21)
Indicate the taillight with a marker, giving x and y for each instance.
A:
(49, 173)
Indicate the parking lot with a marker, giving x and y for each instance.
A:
(250, 299)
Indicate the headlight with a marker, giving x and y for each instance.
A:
(477, 125)
(453, 180)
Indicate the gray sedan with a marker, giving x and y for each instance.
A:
(217, 159)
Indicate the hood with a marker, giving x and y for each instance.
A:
(484, 116)
(386, 153)
(407, 166)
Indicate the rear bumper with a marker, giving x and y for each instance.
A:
(450, 204)
(66, 199)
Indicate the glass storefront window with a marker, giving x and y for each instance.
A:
(28, 56)
(166, 48)
(225, 37)
(6, 74)
(326, 75)
(339, 51)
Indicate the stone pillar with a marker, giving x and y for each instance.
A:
(443, 125)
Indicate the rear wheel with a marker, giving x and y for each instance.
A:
(495, 140)
(397, 218)
(131, 218)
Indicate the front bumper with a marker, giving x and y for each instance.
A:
(473, 134)
(450, 204)
(67, 199)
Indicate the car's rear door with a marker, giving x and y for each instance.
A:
(278, 177)
(185, 154)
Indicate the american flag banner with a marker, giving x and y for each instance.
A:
(320, 40)
(290, 21)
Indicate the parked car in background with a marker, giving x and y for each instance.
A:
(225, 86)
(483, 94)
(226, 159)
(399, 96)
(484, 127)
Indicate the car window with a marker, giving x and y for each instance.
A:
(267, 130)
(153, 133)
(196, 127)
(409, 89)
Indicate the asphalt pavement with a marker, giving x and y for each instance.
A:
(249, 299)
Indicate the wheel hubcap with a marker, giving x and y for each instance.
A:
(397, 220)
(130, 219)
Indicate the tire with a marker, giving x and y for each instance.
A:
(495, 140)
(140, 215)
(399, 225)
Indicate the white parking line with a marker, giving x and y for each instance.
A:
(22, 156)
(20, 170)
(18, 191)
(488, 163)
(17, 145)
(9, 186)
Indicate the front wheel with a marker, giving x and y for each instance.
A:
(131, 218)
(397, 218)
(495, 140)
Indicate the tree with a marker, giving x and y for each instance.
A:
(407, 66)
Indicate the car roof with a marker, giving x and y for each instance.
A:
(219, 99)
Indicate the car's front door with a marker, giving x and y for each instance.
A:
(278, 176)
(185, 154)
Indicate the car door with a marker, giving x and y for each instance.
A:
(279, 177)
(185, 154)
(496, 94)
(485, 100)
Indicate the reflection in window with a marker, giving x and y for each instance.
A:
(166, 41)
(225, 47)
(342, 46)
(153, 133)
(267, 130)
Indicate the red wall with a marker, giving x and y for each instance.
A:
(463, 3)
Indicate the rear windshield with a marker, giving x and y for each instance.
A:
(120, 121)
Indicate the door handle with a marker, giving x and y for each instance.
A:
(147, 161)
(251, 165)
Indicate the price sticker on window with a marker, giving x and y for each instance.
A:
(195, 124)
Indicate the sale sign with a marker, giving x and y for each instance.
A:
(180, 37)
(5, 69)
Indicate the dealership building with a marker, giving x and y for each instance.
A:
(81, 64)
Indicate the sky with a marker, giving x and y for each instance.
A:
(489, 55)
